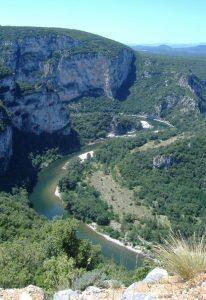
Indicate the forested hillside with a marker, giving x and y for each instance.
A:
(171, 88)
(170, 179)
(164, 174)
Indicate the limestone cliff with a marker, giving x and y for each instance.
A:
(5, 139)
(48, 67)
(41, 69)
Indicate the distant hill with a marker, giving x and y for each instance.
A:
(168, 50)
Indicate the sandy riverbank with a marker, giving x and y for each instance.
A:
(84, 156)
(57, 192)
(93, 226)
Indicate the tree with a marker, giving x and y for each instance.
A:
(59, 272)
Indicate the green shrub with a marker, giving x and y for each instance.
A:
(93, 278)
(4, 71)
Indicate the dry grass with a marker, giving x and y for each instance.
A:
(121, 199)
(152, 144)
(185, 258)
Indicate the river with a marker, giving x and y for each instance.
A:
(46, 203)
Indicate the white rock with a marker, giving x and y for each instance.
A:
(145, 124)
(85, 155)
(30, 292)
(155, 275)
(66, 295)
(137, 296)
(25, 296)
(131, 293)
(92, 289)
(133, 286)
(92, 293)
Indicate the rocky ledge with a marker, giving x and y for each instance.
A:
(156, 285)
(164, 161)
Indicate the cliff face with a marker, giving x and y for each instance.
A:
(47, 69)
(5, 139)
(41, 69)
(5, 148)
(199, 88)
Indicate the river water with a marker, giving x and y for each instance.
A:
(46, 203)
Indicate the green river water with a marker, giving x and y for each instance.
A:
(46, 203)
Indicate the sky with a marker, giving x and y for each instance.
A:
(126, 21)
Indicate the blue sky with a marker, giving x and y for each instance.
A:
(127, 21)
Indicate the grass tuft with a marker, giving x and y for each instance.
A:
(183, 257)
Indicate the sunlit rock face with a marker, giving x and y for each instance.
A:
(45, 69)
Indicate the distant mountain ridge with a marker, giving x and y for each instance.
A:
(199, 50)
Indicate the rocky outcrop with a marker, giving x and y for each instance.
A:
(134, 291)
(164, 161)
(156, 275)
(199, 88)
(168, 103)
(167, 288)
(184, 103)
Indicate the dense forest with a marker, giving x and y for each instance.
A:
(83, 202)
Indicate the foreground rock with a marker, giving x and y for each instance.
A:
(29, 293)
(156, 275)
(156, 285)
(134, 291)
(91, 293)
(66, 294)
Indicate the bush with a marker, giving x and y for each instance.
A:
(93, 278)
(59, 273)
(103, 219)
(185, 258)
